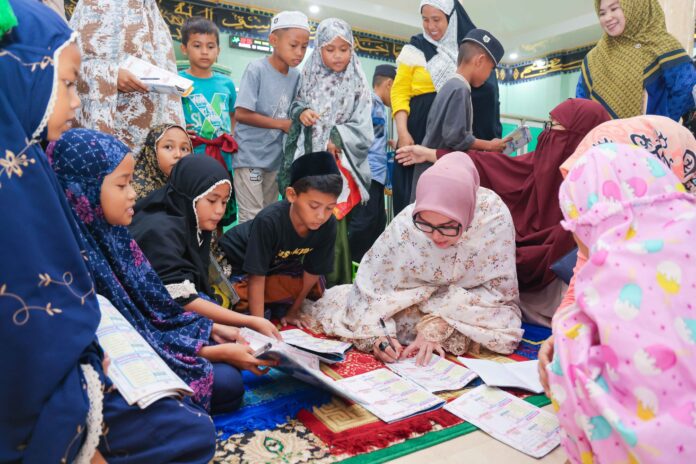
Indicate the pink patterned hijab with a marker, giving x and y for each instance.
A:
(623, 378)
(449, 188)
(670, 142)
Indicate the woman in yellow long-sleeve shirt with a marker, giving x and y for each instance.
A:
(424, 65)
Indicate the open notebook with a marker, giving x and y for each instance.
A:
(328, 351)
(385, 394)
(439, 375)
(138, 372)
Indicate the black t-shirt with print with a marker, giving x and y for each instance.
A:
(270, 240)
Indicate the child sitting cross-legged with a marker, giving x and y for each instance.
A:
(278, 258)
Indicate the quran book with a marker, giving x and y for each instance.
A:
(136, 370)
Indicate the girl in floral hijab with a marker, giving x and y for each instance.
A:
(623, 377)
(332, 111)
(149, 174)
(334, 105)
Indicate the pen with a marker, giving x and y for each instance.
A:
(386, 334)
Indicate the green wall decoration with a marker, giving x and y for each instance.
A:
(240, 21)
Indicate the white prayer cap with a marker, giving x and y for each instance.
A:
(290, 19)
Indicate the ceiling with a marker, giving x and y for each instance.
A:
(529, 28)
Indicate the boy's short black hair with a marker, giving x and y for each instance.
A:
(331, 184)
(377, 79)
(199, 25)
(468, 50)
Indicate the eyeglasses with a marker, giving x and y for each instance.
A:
(549, 124)
(447, 231)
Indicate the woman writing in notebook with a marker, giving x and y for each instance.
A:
(441, 277)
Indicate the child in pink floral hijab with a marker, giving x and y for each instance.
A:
(623, 377)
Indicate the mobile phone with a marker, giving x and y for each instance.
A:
(262, 350)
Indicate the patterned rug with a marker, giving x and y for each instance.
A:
(284, 420)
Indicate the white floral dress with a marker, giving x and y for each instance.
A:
(109, 31)
(463, 297)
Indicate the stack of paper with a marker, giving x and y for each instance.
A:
(524, 375)
(388, 396)
(329, 351)
(138, 372)
(509, 419)
(157, 79)
(439, 375)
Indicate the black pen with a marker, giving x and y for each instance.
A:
(386, 334)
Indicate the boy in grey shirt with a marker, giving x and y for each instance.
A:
(265, 93)
(451, 117)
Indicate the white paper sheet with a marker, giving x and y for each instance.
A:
(522, 375)
(509, 419)
(440, 375)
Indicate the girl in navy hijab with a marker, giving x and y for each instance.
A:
(56, 399)
(96, 171)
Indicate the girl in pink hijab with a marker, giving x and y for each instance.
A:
(623, 377)
(442, 275)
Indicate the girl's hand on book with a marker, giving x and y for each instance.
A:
(242, 357)
(309, 117)
(225, 334)
(127, 82)
(265, 327)
(106, 362)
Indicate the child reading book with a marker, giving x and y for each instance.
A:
(332, 112)
(173, 226)
(280, 256)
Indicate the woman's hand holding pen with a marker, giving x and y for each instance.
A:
(391, 352)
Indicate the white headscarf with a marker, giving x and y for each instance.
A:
(334, 95)
(443, 65)
(343, 100)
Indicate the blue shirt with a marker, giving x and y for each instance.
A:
(669, 94)
(377, 155)
(207, 109)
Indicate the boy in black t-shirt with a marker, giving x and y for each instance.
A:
(278, 258)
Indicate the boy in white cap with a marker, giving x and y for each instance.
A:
(266, 91)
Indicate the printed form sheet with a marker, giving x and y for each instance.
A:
(509, 419)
